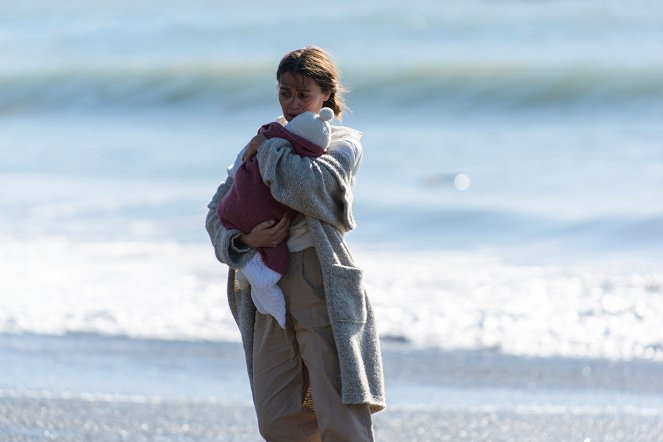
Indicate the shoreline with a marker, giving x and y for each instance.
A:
(72, 354)
(24, 418)
(82, 387)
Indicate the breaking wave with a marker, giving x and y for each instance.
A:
(454, 86)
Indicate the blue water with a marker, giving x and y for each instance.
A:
(118, 119)
(116, 112)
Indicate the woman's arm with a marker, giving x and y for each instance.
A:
(318, 187)
(227, 247)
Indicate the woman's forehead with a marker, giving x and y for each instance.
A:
(292, 80)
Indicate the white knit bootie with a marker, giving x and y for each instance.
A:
(265, 293)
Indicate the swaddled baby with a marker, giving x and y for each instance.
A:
(249, 202)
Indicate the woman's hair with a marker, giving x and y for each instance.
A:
(316, 64)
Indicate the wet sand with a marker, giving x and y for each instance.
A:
(80, 418)
(93, 388)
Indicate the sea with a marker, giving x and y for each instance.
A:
(510, 199)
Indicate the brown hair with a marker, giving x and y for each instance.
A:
(316, 64)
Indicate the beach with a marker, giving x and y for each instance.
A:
(92, 388)
(126, 419)
(508, 208)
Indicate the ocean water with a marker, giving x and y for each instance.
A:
(510, 197)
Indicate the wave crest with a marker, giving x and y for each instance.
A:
(452, 86)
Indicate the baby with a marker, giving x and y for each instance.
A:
(250, 202)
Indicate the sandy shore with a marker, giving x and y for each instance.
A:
(92, 388)
(32, 418)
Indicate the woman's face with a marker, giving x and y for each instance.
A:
(298, 93)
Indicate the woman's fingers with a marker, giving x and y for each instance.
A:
(253, 146)
(265, 225)
(268, 233)
(283, 224)
(279, 231)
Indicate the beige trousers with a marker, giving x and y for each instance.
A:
(286, 362)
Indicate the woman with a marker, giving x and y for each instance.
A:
(321, 377)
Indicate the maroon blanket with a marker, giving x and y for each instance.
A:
(250, 202)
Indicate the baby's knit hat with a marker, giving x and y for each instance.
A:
(313, 127)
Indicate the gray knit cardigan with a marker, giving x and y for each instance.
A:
(321, 189)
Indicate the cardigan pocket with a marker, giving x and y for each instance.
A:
(349, 297)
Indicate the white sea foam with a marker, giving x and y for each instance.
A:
(450, 300)
(138, 289)
(456, 300)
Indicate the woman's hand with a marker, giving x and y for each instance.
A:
(253, 146)
(267, 234)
